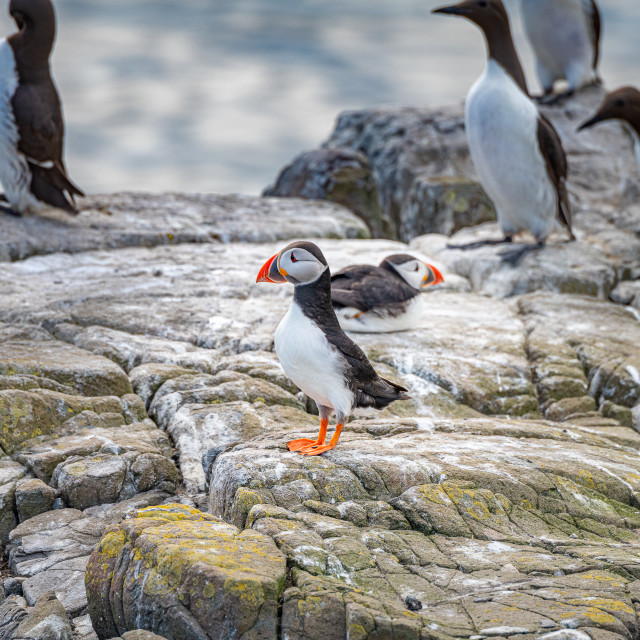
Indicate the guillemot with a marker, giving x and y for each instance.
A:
(516, 151)
(32, 170)
(315, 352)
(565, 38)
(621, 104)
(383, 298)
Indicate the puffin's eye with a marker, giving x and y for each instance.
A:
(293, 258)
(415, 267)
(482, 3)
(619, 102)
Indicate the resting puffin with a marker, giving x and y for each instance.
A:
(382, 298)
(32, 170)
(315, 352)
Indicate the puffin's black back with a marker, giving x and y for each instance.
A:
(369, 389)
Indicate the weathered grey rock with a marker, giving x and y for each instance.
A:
(46, 621)
(140, 634)
(443, 205)
(149, 220)
(233, 579)
(33, 497)
(13, 586)
(12, 613)
(338, 175)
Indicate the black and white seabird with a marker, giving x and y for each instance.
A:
(565, 38)
(383, 298)
(621, 104)
(32, 170)
(315, 352)
(516, 151)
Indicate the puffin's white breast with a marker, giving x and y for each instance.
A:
(311, 362)
(381, 321)
(502, 131)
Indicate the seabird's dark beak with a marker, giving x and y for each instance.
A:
(432, 277)
(270, 273)
(454, 9)
(589, 123)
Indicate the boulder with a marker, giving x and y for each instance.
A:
(33, 497)
(46, 621)
(183, 573)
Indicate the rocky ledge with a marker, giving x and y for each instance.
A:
(145, 485)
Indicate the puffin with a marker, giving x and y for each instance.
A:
(32, 169)
(385, 298)
(621, 104)
(565, 38)
(516, 151)
(315, 352)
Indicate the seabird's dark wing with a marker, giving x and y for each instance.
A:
(556, 162)
(40, 126)
(370, 389)
(594, 24)
(365, 287)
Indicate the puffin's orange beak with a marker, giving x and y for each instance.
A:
(433, 276)
(270, 273)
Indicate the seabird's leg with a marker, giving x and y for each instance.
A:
(317, 450)
(479, 243)
(552, 100)
(514, 257)
(7, 209)
(305, 443)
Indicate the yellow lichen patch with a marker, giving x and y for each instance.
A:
(585, 478)
(614, 581)
(435, 493)
(526, 504)
(245, 589)
(599, 616)
(603, 603)
(478, 510)
(173, 512)
(357, 632)
(209, 590)
(111, 544)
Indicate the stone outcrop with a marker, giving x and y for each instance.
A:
(185, 574)
(144, 416)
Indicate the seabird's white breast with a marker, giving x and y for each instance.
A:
(636, 142)
(15, 175)
(311, 362)
(379, 320)
(560, 34)
(502, 131)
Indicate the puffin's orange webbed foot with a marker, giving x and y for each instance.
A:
(302, 443)
(316, 450)
(305, 443)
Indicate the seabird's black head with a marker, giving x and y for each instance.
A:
(485, 13)
(621, 104)
(298, 263)
(493, 19)
(414, 272)
(36, 22)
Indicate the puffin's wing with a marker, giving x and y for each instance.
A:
(594, 25)
(365, 287)
(556, 162)
(370, 389)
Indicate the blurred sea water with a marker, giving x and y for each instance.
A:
(217, 95)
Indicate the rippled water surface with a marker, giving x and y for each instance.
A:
(200, 95)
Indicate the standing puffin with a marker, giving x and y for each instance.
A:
(621, 104)
(516, 151)
(382, 298)
(315, 352)
(32, 170)
(565, 38)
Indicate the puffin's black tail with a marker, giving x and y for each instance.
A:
(379, 393)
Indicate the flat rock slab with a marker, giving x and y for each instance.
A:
(182, 573)
(142, 219)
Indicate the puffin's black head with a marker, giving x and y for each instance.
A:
(414, 272)
(487, 14)
(621, 104)
(298, 263)
(31, 12)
